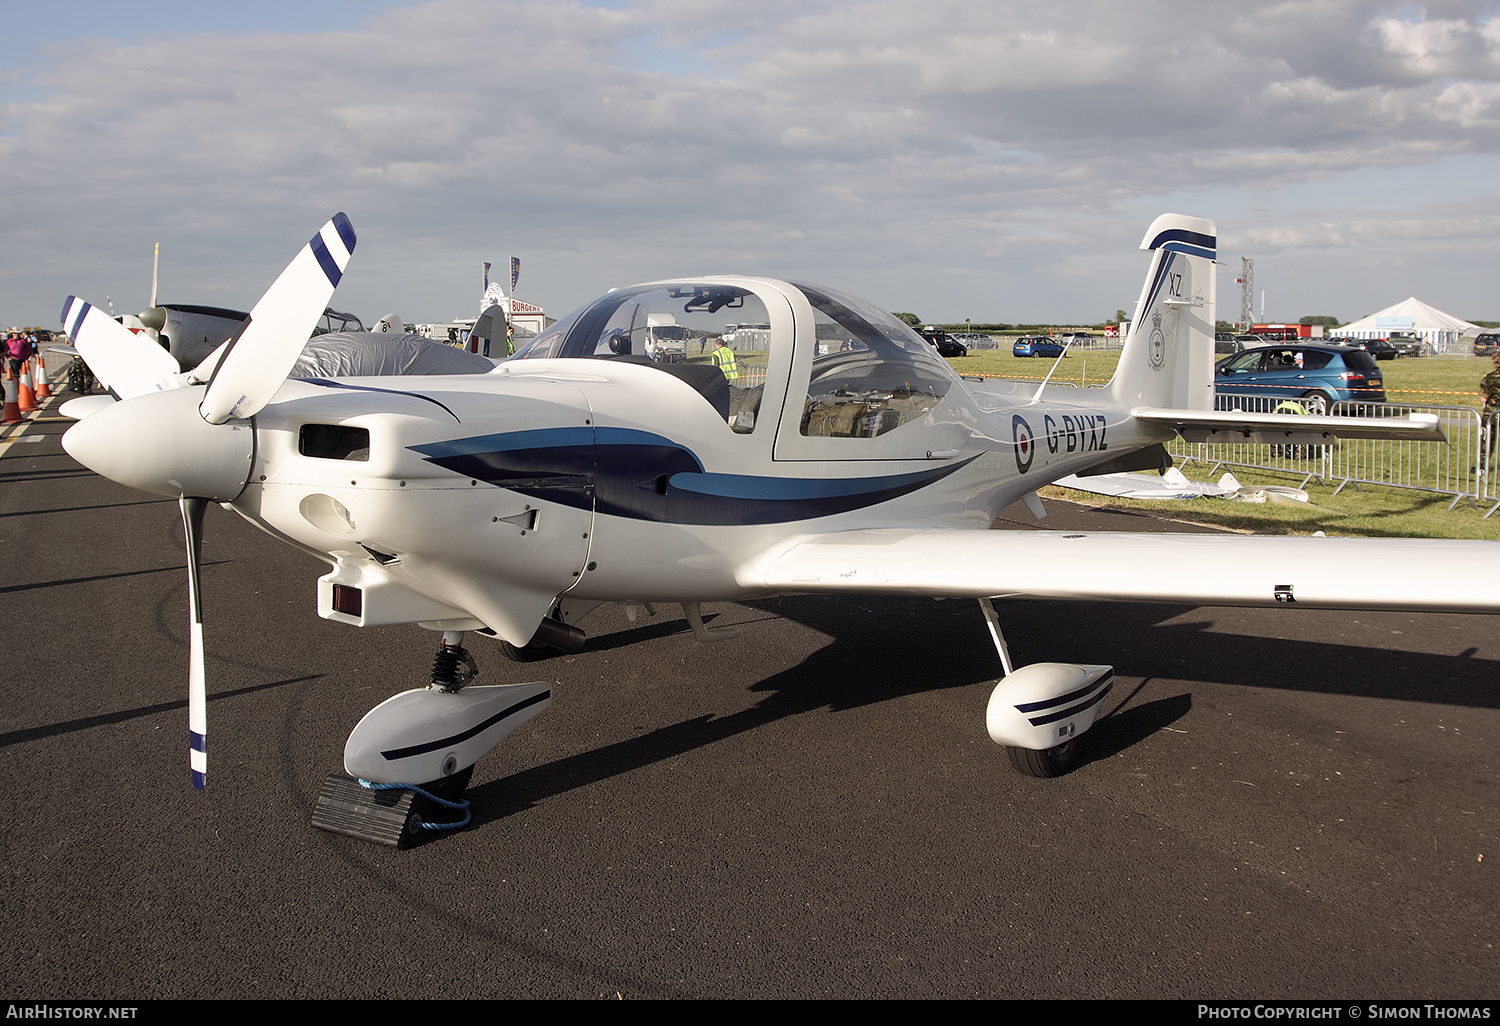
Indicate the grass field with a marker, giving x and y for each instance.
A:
(1431, 380)
(1367, 512)
(1370, 511)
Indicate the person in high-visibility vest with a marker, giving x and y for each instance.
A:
(1300, 409)
(723, 358)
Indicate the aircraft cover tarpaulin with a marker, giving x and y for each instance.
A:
(351, 354)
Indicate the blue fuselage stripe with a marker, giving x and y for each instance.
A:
(639, 475)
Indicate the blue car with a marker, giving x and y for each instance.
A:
(1037, 345)
(1320, 375)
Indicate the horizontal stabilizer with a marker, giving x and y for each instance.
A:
(1287, 428)
(1198, 569)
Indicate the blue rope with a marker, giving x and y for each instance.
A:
(462, 803)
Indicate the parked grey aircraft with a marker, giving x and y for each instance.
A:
(192, 332)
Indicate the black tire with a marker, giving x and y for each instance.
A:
(1053, 762)
(1318, 404)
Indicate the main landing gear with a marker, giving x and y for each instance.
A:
(1037, 712)
(409, 760)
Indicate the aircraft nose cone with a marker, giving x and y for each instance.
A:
(159, 443)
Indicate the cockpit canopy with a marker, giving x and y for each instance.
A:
(869, 373)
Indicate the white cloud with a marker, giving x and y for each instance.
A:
(981, 160)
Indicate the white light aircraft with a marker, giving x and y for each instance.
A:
(843, 456)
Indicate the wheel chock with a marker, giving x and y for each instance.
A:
(396, 817)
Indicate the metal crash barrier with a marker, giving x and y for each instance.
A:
(1490, 440)
(1457, 467)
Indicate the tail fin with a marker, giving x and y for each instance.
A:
(1168, 359)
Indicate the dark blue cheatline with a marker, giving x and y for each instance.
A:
(1180, 240)
(1161, 276)
(454, 739)
(326, 383)
(643, 476)
(1050, 713)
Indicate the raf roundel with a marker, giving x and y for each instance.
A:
(1025, 443)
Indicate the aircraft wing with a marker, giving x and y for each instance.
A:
(1290, 429)
(1197, 569)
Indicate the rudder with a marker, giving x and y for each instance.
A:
(1168, 358)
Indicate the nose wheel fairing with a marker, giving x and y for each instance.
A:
(425, 735)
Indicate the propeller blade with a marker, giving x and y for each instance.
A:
(192, 525)
(272, 338)
(204, 372)
(127, 363)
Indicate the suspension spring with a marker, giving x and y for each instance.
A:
(453, 667)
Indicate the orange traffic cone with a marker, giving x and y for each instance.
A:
(43, 390)
(12, 414)
(26, 398)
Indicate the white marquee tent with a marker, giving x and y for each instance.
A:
(1440, 330)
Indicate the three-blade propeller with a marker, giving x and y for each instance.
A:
(163, 438)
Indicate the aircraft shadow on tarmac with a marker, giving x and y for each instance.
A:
(872, 658)
(124, 715)
(82, 509)
(69, 581)
(17, 476)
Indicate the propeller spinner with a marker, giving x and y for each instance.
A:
(193, 444)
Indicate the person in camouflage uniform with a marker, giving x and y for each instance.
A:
(1489, 391)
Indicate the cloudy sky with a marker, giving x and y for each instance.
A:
(960, 159)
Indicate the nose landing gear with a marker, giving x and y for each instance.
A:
(409, 760)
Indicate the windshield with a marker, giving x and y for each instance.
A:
(872, 372)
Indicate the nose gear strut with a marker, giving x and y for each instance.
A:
(453, 666)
